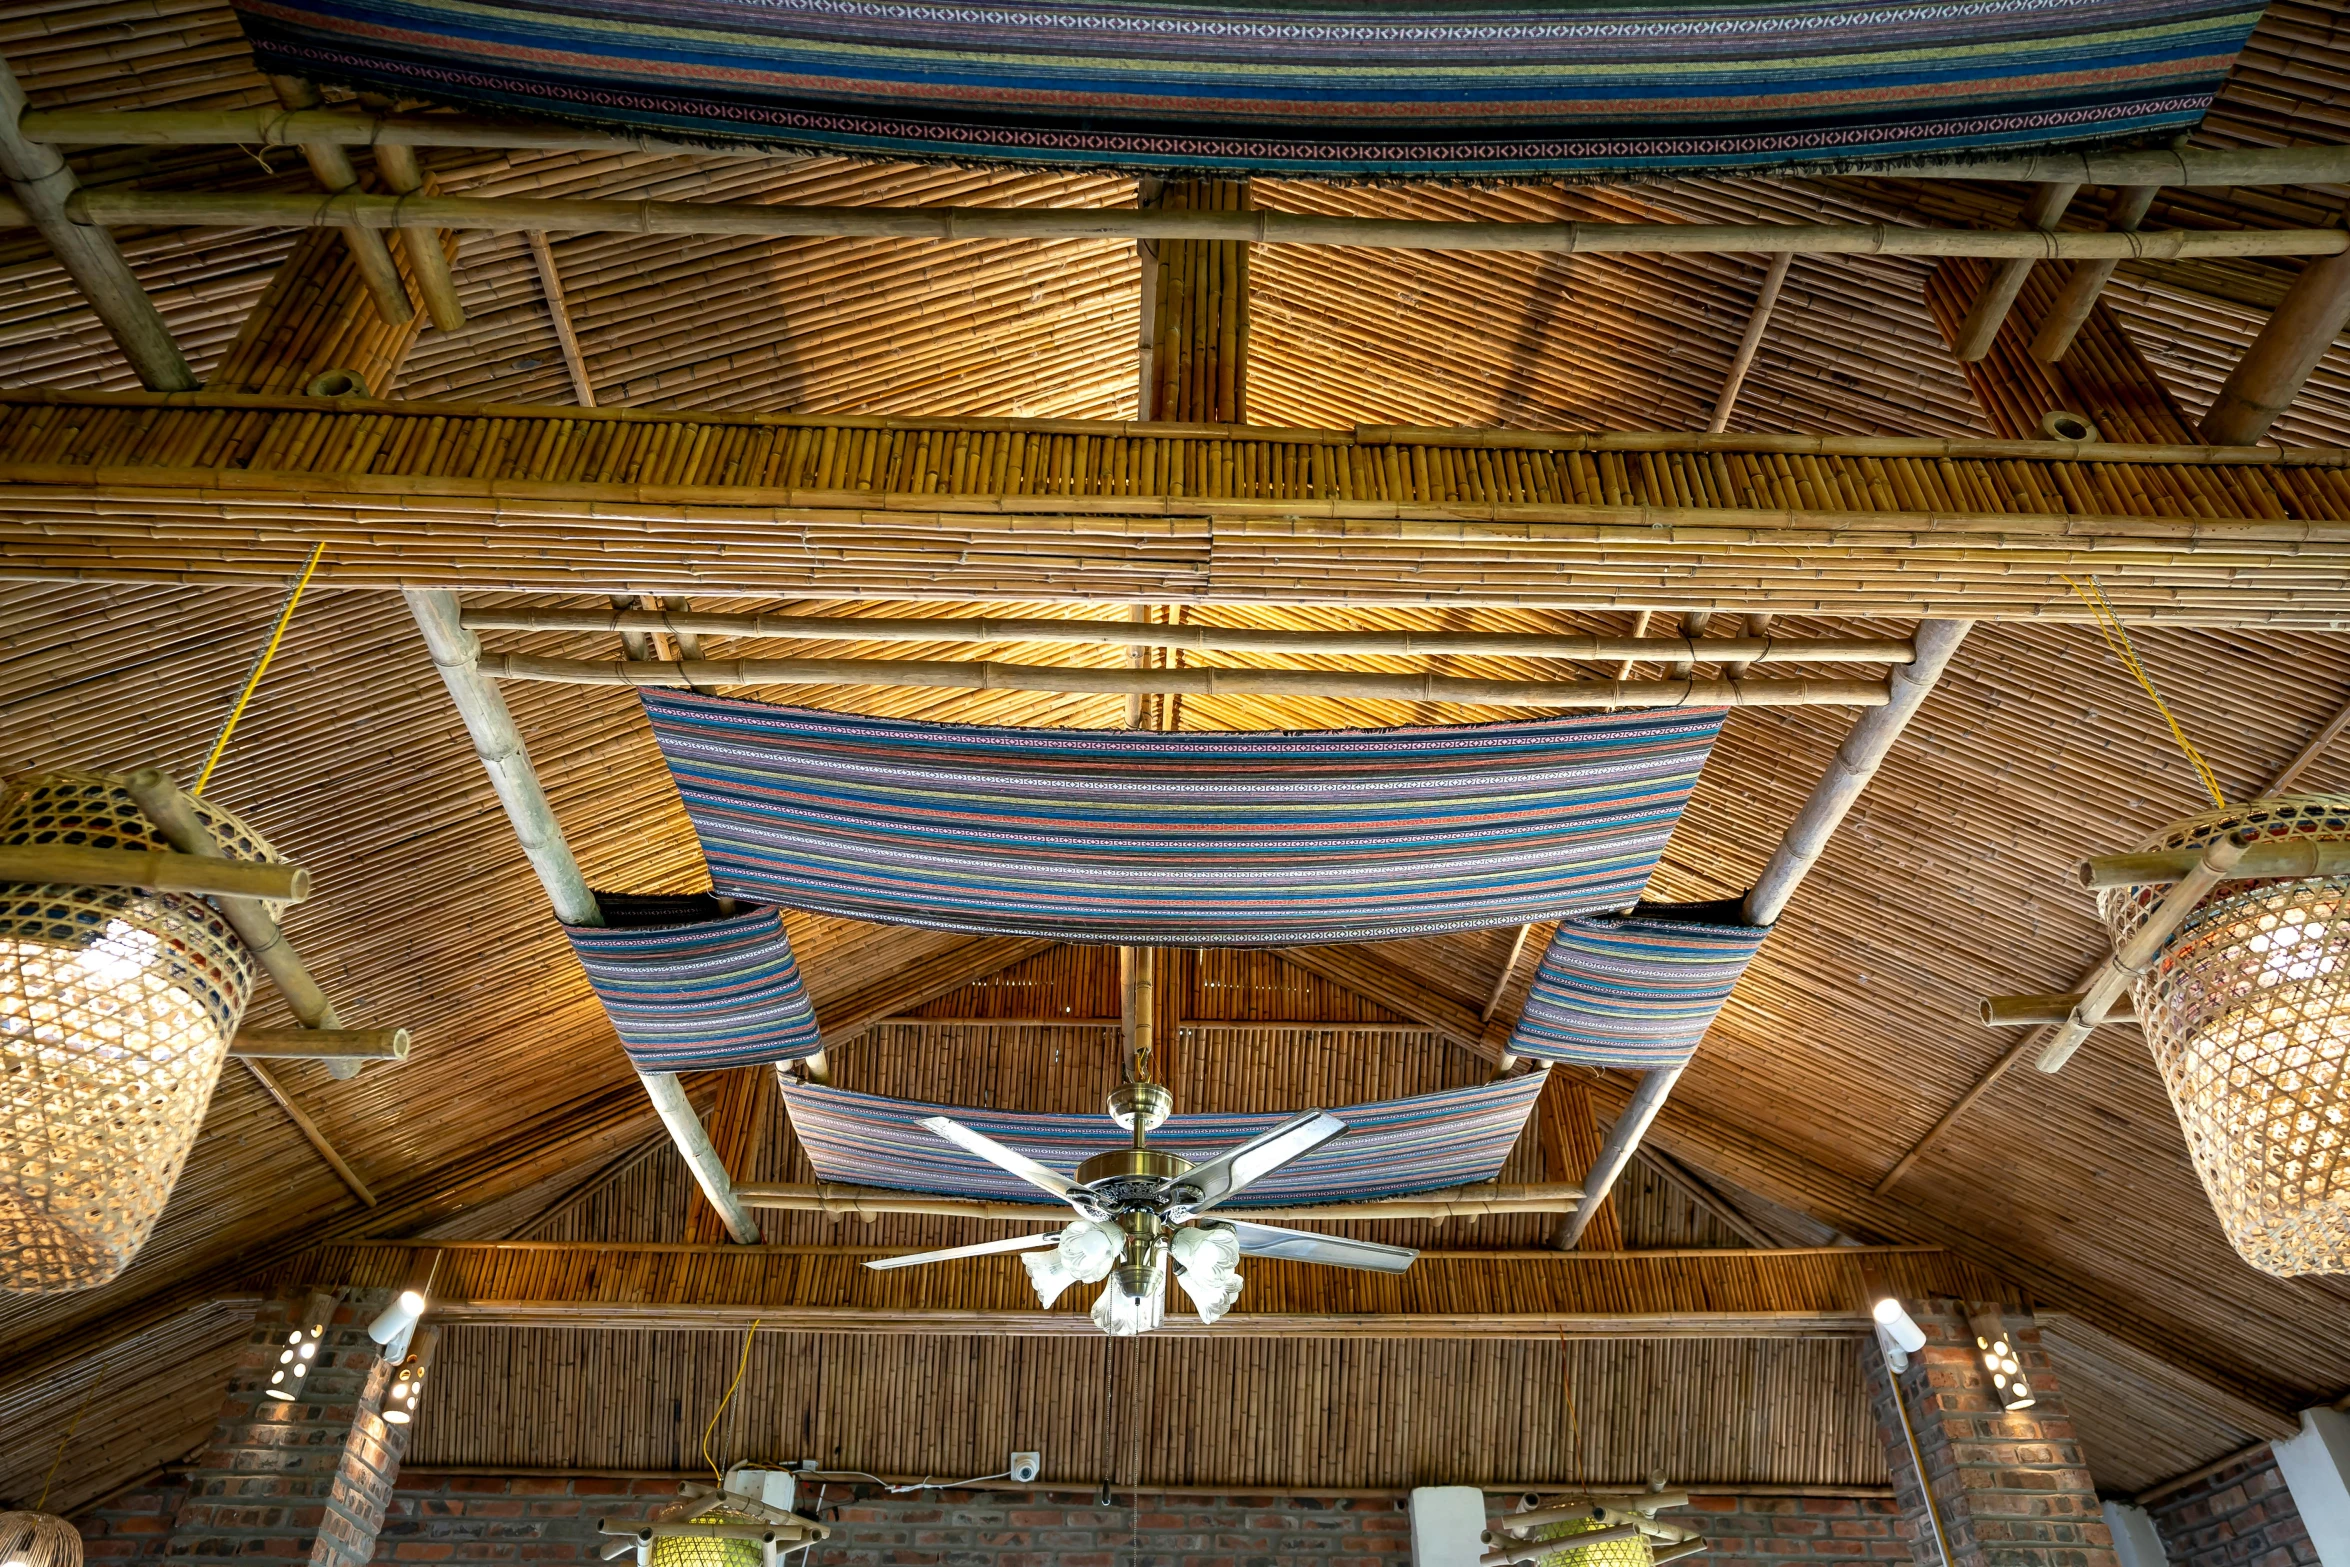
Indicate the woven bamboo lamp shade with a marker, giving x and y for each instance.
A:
(38, 1540)
(116, 1009)
(1608, 1553)
(699, 1550)
(2247, 1010)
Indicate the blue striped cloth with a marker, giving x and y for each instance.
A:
(1632, 991)
(690, 998)
(1391, 1148)
(1185, 839)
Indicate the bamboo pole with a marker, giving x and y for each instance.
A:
(1509, 971)
(2113, 976)
(112, 207)
(44, 188)
(498, 745)
(426, 258)
(1455, 1202)
(1194, 681)
(174, 815)
(2285, 858)
(156, 870)
(315, 1044)
(542, 256)
(2026, 1011)
(1985, 316)
(1750, 341)
(1754, 648)
(2273, 370)
(2286, 775)
(2078, 297)
(310, 1132)
(331, 167)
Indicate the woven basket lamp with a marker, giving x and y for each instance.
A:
(116, 1010)
(2247, 1009)
(38, 1540)
(1557, 1542)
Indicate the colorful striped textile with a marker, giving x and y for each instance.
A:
(1636, 991)
(690, 998)
(1183, 839)
(1445, 89)
(1389, 1149)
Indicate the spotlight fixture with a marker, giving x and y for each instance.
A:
(398, 1320)
(2000, 1366)
(295, 1356)
(1898, 1333)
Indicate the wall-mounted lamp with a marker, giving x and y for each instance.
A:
(2000, 1366)
(296, 1355)
(1898, 1333)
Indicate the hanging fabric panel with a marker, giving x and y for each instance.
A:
(1147, 838)
(1633, 991)
(695, 997)
(1390, 1149)
(1419, 89)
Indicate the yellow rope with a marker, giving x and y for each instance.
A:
(740, 1367)
(51, 1476)
(260, 668)
(2117, 640)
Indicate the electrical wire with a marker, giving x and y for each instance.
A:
(740, 1367)
(260, 668)
(2117, 641)
(67, 1441)
(903, 1490)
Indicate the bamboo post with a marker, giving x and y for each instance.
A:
(156, 870)
(1754, 628)
(498, 745)
(1509, 971)
(2278, 364)
(2079, 296)
(1693, 626)
(314, 1044)
(1998, 296)
(1757, 319)
(542, 256)
(2113, 976)
(1147, 192)
(1138, 979)
(331, 167)
(45, 188)
(426, 257)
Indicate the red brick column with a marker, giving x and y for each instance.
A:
(2240, 1516)
(2011, 1488)
(309, 1478)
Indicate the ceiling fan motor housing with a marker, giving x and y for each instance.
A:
(1146, 1178)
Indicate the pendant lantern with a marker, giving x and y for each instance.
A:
(2247, 1010)
(116, 1010)
(1557, 1544)
(38, 1540)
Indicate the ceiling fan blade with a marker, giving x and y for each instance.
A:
(975, 1249)
(1232, 1172)
(1003, 1158)
(1271, 1240)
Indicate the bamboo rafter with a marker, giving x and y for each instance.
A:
(132, 486)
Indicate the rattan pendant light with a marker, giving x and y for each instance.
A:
(38, 1540)
(116, 1011)
(2247, 1009)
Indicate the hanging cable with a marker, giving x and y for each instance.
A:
(2117, 641)
(260, 668)
(740, 1367)
(68, 1440)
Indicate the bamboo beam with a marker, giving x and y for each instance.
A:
(1361, 969)
(1856, 761)
(174, 815)
(317, 1044)
(542, 256)
(841, 1018)
(1509, 971)
(310, 1132)
(44, 187)
(1754, 648)
(498, 745)
(2185, 166)
(155, 870)
(2078, 298)
(2279, 362)
(1452, 1202)
(427, 259)
(2024, 1011)
(935, 674)
(2284, 858)
(1757, 320)
(1984, 317)
(2287, 775)
(511, 214)
(331, 167)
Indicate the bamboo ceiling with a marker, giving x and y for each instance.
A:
(1850, 1036)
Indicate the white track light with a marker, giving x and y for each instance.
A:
(1899, 1326)
(391, 1329)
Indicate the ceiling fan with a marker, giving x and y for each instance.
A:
(1138, 1207)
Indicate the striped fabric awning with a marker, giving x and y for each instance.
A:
(1183, 839)
(1635, 991)
(1390, 1149)
(693, 997)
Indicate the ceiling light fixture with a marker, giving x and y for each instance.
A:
(396, 1323)
(1898, 1333)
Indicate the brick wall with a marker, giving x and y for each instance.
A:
(2240, 1516)
(2012, 1489)
(473, 1521)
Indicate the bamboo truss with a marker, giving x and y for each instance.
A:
(141, 487)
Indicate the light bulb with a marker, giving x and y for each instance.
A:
(1899, 1326)
(1122, 1311)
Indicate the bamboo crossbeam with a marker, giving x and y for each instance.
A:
(1456, 1202)
(2284, 858)
(426, 257)
(276, 127)
(2113, 976)
(321, 1044)
(330, 165)
(933, 674)
(1990, 307)
(2078, 298)
(112, 207)
(1205, 639)
(155, 870)
(310, 1132)
(1758, 320)
(2026, 1011)
(542, 256)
